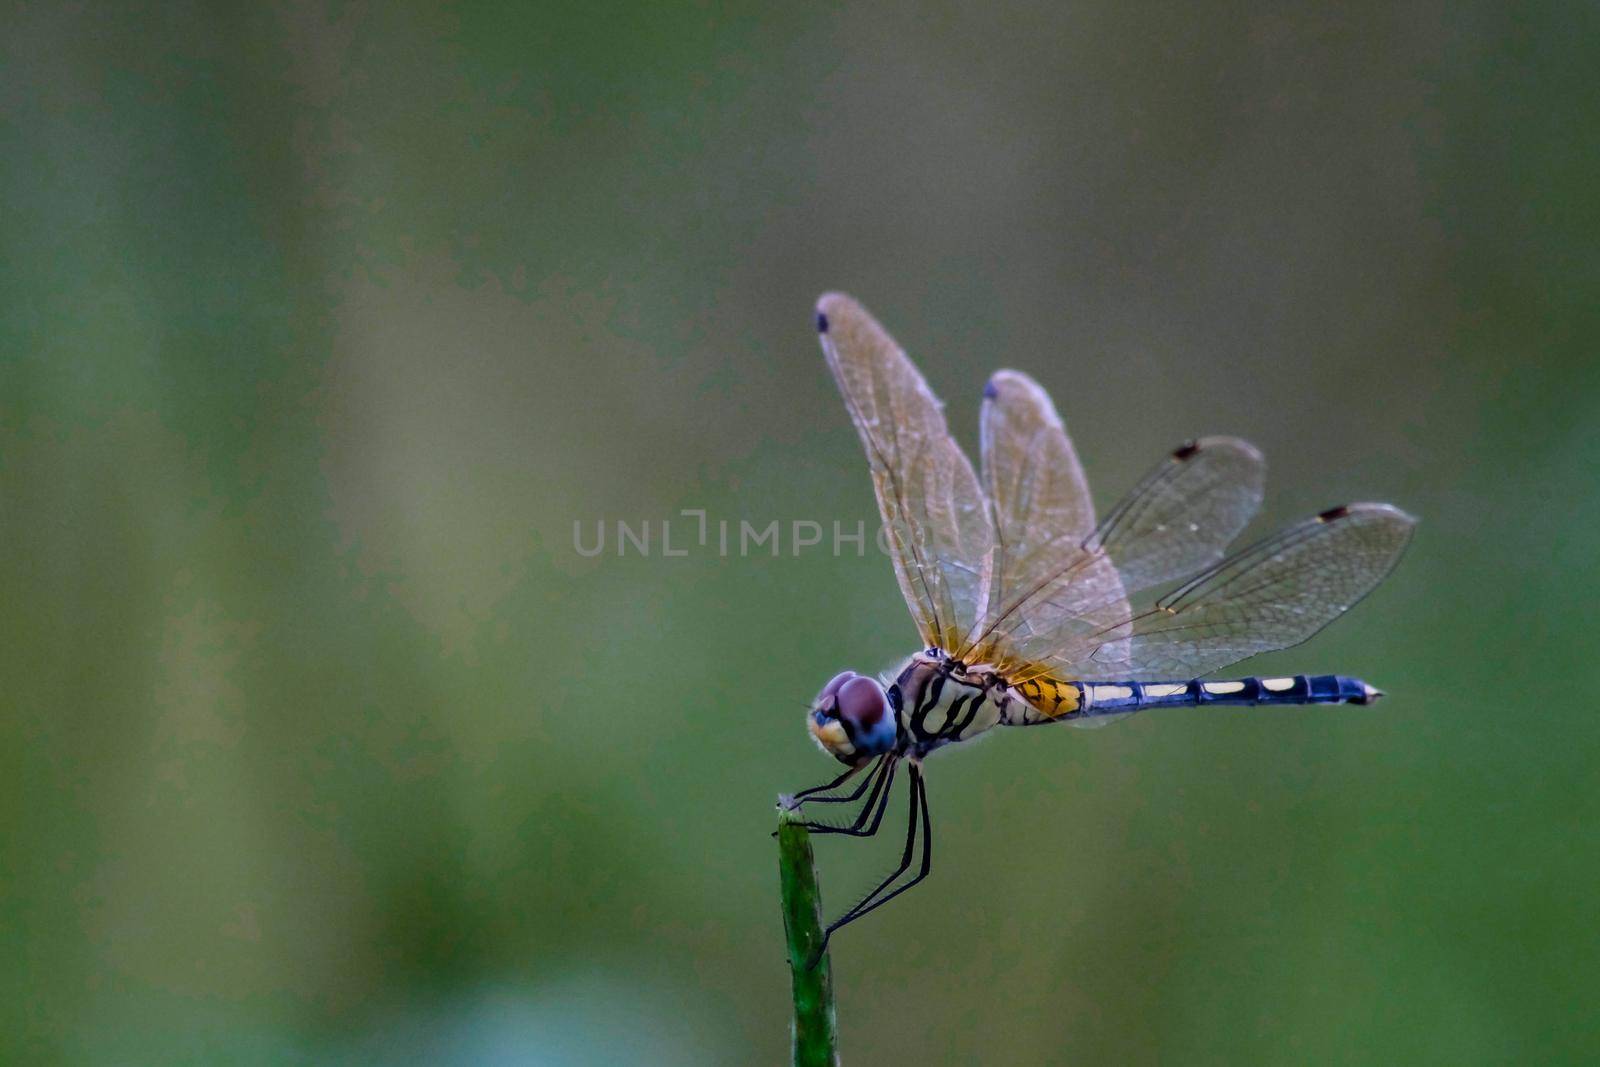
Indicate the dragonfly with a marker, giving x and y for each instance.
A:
(1029, 608)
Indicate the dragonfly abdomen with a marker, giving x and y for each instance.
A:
(1119, 698)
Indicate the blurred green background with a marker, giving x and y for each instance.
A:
(321, 325)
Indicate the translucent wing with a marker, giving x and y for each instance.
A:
(1184, 514)
(1273, 595)
(1043, 577)
(1176, 521)
(935, 514)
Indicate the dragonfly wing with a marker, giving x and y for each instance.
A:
(1273, 595)
(934, 512)
(1176, 521)
(1184, 514)
(1045, 582)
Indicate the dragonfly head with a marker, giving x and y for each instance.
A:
(851, 719)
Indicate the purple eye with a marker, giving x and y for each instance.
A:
(825, 697)
(852, 719)
(862, 703)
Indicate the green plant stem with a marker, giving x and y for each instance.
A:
(816, 1042)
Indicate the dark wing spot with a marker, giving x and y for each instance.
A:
(989, 390)
(1186, 450)
(1334, 513)
(822, 323)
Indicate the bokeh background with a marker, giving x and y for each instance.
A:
(321, 325)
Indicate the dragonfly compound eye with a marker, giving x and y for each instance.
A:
(864, 711)
(825, 698)
(851, 718)
(862, 703)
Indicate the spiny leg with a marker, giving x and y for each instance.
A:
(794, 803)
(877, 803)
(918, 807)
(809, 796)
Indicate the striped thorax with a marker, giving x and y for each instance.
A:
(939, 700)
(934, 701)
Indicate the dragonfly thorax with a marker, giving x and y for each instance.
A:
(939, 700)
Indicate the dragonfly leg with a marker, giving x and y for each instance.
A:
(878, 897)
(810, 796)
(877, 801)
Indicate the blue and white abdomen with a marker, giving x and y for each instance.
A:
(1100, 699)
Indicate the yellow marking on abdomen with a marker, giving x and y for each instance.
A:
(1165, 690)
(1049, 697)
(1277, 685)
(1224, 688)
